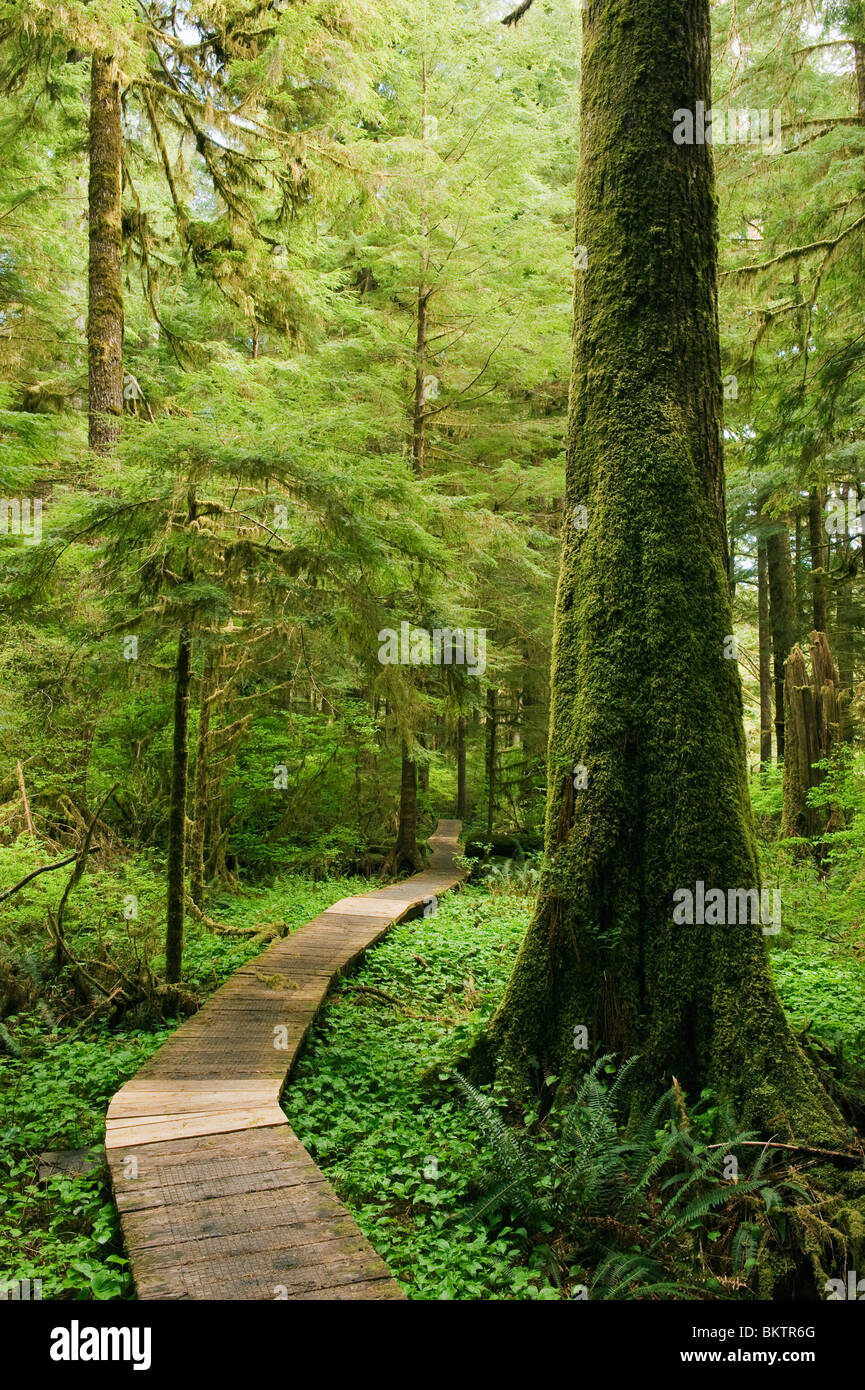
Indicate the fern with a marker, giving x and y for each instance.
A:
(510, 1157)
(600, 1178)
(628, 1276)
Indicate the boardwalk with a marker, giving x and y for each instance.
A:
(218, 1199)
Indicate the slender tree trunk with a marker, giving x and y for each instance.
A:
(783, 619)
(177, 810)
(765, 647)
(859, 63)
(799, 569)
(845, 571)
(819, 559)
(423, 770)
(642, 694)
(105, 317)
(423, 295)
(462, 798)
(202, 779)
(813, 721)
(419, 406)
(405, 853)
(491, 760)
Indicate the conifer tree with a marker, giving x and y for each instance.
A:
(643, 691)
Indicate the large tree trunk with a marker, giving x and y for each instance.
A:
(819, 562)
(462, 796)
(765, 649)
(105, 317)
(783, 617)
(177, 810)
(642, 694)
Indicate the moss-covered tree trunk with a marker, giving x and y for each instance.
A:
(846, 568)
(492, 729)
(643, 695)
(200, 795)
(423, 769)
(405, 854)
(782, 608)
(765, 658)
(177, 809)
(813, 724)
(105, 293)
(819, 546)
(801, 565)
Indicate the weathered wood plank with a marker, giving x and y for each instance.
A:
(217, 1196)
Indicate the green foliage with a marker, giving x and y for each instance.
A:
(396, 1141)
(54, 1096)
(58, 1074)
(818, 959)
(656, 1194)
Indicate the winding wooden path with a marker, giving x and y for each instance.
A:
(218, 1199)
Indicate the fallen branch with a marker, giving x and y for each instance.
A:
(103, 1004)
(46, 869)
(796, 1148)
(221, 927)
(390, 999)
(55, 923)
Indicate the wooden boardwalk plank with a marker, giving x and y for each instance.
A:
(218, 1199)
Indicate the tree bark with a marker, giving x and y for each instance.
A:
(765, 648)
(492, 725)
(783, 619)
(859, 63)
(801, 560)
(819, 556)
(813, 721)
(423, 770)
(405, 853)
(846, 570)
(642, 694)
(418, 449)
(105, 302)
(177, 810)
(462, 797)
(200, 796)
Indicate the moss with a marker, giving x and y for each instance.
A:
(642, 694)
(105, 289)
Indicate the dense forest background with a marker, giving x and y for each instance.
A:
(285, 348)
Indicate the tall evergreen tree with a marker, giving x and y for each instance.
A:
(643, 694)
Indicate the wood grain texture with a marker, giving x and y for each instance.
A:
(218, 1199)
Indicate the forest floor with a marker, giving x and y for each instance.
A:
(373, 1097)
